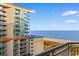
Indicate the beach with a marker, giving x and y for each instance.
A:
(59, 40)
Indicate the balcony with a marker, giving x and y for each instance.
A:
(23, 51)
(24, 42)
(67, 49)
(26, 25)
(17, 21)
(22, 46)
(26, 32)
(16, 29)
(17, 17)
(2, 20)
(26, 28)
(17, 35)
(17, 24)
(17, 12)
(16, 32)
(27, 18)
(24, 54)
(26, 22)
(3, 37)
(2, 27)
(2, 14)
(3, 34)
(3, 10)
(1, 53)
(2, 24)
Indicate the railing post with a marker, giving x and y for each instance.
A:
(52, 53)
(68, 50)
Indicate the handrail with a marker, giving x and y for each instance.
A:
(55, 48)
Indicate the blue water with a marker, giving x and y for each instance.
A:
(67, 35)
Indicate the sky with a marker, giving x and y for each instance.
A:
(53, 16)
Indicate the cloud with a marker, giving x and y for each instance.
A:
(66, 13)
(33, 11)
(71, 21)
(52, 25)
(76, 15)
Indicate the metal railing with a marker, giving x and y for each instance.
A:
(67, 49)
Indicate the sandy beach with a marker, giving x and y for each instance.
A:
(59, 40)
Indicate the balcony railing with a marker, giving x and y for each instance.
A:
(2, 23)
(67, 49)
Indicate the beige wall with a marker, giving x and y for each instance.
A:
(9, 22)
(10, 48)
(9, 31)
(38, 46)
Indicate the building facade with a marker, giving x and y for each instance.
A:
(41, 44)
(14, 27)
(36, 44)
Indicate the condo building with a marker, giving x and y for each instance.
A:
(14, 28)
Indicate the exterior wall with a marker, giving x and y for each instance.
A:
(9, 48)
(9, 21)
(38, 46)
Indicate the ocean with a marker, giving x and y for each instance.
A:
(66, 35)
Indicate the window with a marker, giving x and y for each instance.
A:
(31, 39)
(17, 11)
